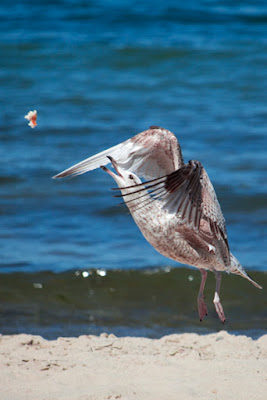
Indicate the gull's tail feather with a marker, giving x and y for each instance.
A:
(237, 269)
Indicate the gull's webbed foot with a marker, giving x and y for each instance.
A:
(202, 307)
(216, 300)
(219, 307)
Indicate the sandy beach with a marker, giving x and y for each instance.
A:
(180, 366)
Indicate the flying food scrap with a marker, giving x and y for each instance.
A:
(31, 116)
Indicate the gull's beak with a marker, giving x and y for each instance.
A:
(115, 165)
(116, 168)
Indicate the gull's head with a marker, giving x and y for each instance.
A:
(130, 185)
(123, 177)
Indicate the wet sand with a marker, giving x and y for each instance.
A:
(184, 366)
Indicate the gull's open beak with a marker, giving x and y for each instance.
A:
(116, 168)
(115, 165)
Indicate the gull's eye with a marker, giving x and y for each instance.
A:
(131, 177)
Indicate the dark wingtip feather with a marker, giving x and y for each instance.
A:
(63, 174)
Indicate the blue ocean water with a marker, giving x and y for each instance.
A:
(100, 72)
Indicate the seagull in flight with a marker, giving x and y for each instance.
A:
(175, 208)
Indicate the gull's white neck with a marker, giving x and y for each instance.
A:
(139, 202)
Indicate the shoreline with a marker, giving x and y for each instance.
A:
(187, 366)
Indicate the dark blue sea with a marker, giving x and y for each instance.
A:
(98, 72)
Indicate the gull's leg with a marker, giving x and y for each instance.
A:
(202, 308)
(216, 300)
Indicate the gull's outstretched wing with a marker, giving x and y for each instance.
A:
(188, 193)
(150, 154)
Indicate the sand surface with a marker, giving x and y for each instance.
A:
(186, 366)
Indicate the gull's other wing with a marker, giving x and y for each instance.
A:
(149, 154)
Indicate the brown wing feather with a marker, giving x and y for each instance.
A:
(197, 199)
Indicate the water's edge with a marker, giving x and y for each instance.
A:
(151, 303)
